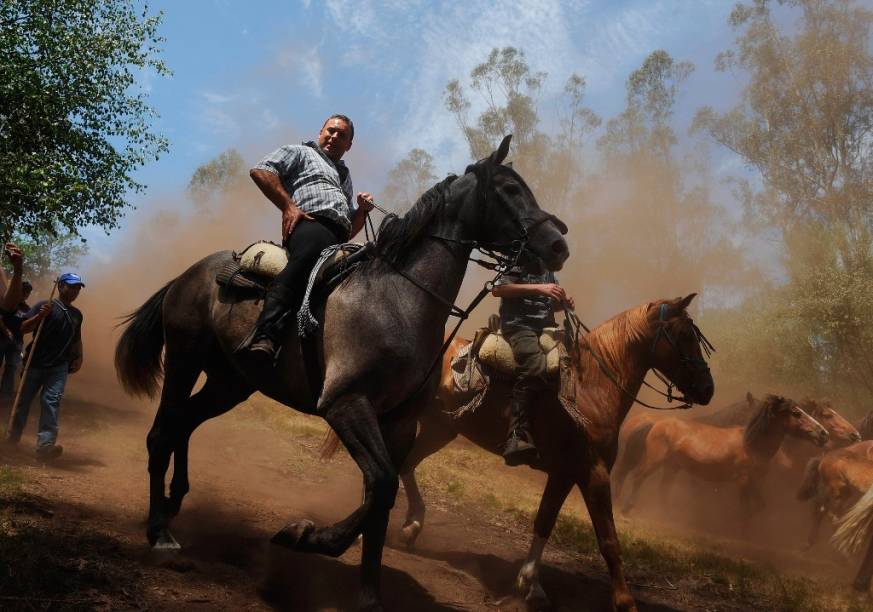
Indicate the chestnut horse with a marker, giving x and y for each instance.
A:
(835, 481)
(854, 531)
(794, 453)
(609, 369)
(721, 454)
(865, 426)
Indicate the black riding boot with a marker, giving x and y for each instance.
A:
(266, 337)
(519, 447)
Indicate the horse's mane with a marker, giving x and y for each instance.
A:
(760, 422)
(815, 408)
(613, 335)
(398, 233)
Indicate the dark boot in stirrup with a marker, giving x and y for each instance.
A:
(266, 337)
(520, 449)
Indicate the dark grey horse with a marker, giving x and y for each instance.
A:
(383, 328)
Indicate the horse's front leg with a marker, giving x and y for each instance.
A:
(596, 490)
(432, 436)
(528, 581)
(354, 420)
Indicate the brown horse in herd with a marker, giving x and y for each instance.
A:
(720, 454)
(794, 453)
(657, 335)
(835, 482)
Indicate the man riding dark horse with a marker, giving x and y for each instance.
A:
(528, 302)
(312, 187)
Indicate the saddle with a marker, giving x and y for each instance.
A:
(253, 269)
(489, 356)
(496, 353)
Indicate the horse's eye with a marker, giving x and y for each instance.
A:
(512, 189)
(795, 413)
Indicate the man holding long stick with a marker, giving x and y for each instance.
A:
(57, 353)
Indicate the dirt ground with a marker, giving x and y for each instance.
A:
(72, 533)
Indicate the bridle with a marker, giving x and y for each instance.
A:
(575, 324)
(506, 256)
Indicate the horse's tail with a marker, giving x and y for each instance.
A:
(633, 454)
(809, 485)
(138, 353)
(329, 445)
(854, 527)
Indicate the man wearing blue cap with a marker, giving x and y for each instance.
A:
(58, 353)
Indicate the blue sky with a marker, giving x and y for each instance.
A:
(255, 75)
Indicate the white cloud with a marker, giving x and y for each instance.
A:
(310, 72)
(219, 122)
(213, 97)
(423, 45)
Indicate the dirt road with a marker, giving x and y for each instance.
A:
(73, 532)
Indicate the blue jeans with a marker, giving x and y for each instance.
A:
(51, 382)
(11, 358)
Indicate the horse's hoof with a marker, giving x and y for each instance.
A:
(529, 587)
(409, 534)
(292, 533)
(165, 542)
(536, 600)
(862, 586)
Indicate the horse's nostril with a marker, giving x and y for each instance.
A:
(559, 247)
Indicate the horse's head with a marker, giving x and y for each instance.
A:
(678, 349)
(506, 215)
(842, 432)
(793, 419)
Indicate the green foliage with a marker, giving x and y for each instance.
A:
(74, 124)
(646, 183)
(804, 123)
(46, 257)
(510, 91)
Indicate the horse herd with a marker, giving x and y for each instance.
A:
(823, 459)
(382, 394)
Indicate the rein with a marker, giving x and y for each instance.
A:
(495, 250)
(576, 322)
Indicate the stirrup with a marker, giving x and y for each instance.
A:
(247, 342)
(519, 451)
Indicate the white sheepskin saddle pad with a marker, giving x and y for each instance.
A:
(264, 259)
(496, 353)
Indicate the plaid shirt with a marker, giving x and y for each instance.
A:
(319, 186)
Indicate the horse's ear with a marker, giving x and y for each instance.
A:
(750, 398)
(684, 302)
(502, 151)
